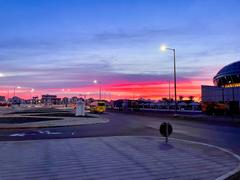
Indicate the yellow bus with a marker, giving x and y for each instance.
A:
(98, 107)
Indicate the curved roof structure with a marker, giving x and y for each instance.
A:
(228, 76)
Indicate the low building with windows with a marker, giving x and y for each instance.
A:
(226, 89)
(50, 99)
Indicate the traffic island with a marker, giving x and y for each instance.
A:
(46, 121)
(126, 157)
(22, 119)
(63, 114)
(37, 110)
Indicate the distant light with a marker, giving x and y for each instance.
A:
(163, 48)
(63, 90)
(95, 81)
(32, 90)
(18, 87)
(2, 75)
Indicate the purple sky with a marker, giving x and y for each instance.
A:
(66, 44)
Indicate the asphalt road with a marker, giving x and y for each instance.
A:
(128, 124)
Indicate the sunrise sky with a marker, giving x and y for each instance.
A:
(61, 46)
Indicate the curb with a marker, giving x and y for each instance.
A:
(231, 173)
(228, 176)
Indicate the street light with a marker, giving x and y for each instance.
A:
(31, 95)
(88, 95)
(32, 91)
(2, 75)
(100, 88)
(164, 48)
(14, 90)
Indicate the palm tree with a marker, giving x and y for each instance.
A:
(180, 98)
(191, 98)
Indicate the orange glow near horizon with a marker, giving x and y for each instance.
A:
(154, 90)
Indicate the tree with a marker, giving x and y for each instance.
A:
(164, 99)
(180, 98)
(191, 98)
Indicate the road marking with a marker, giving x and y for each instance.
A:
(49, 132)
(19, 134)
(34, 133)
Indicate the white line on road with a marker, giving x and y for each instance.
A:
(19, 134)
(49, 132)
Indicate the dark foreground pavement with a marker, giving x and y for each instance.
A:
(125, 157)
(223, 135)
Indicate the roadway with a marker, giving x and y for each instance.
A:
(121, 124)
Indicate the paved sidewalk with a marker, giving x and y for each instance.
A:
(113, 158)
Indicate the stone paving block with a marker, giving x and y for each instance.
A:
(113, 158)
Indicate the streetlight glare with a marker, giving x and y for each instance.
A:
(100, 88)
(163, 48)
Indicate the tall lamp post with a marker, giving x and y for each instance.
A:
(31, 95)
(164, 48)
(14, 90)
(100, 88)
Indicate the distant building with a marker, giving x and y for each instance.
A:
(226, 87)
(74, 100)
(65, 100)
(2, 99)
(35, 100)
(16, 100)
(50, 99)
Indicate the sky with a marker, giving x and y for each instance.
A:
(61, 46)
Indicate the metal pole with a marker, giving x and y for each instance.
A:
(233, 104)
(175, 80)
(13, 92)
(166, 133)
(100, 90)
(233, 94)
(223, 95)
(8, 95)
(169, 95)
(31, 97)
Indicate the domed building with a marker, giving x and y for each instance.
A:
(226, 89)
(228, 76)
